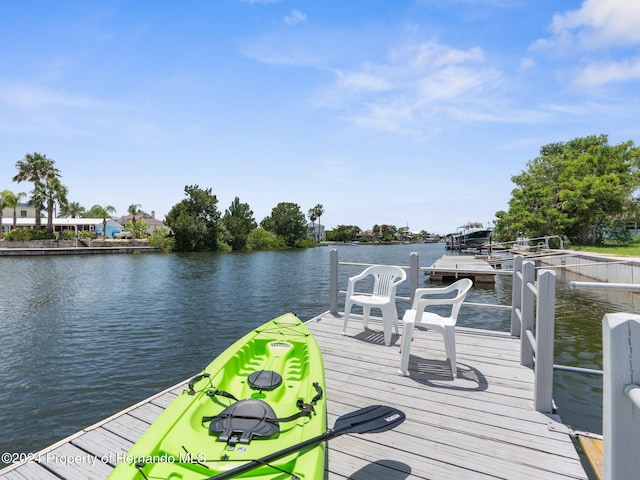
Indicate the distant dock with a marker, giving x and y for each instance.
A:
(38, 252)
(451, 267)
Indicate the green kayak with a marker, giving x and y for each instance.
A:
(261, 395)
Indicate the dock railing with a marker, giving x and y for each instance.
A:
(621, 387)
(621, 395)
(533, 320)
(533, 310)
(414, 270)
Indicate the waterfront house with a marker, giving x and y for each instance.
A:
(316, 231)
(150, 221)
(94, 225)
(23, 210)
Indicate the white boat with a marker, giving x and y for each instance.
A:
(470, 235)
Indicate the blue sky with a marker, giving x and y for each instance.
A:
(398, 112)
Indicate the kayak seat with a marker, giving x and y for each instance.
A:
(244, 420)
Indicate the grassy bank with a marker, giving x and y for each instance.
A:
(626, 249)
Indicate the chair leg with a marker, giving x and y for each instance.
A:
(365, 316)
(389, 319)
(347, 311)
(407, 334)
(450, 346)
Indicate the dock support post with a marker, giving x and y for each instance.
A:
(333, 281)
(527, 314)
(545, 330)
(414, 273)
(516, 296)
(621, 407)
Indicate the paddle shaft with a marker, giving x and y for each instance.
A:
(373, 419)
(245, 467)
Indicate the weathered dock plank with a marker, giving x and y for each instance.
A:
(481, 425)
(450, 267)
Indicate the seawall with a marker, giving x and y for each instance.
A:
(595, 267)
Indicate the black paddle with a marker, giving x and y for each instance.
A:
(376, 418)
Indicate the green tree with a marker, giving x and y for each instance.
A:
(52, 191)
(239, 222)
(12, 200)
(134, 209)
(286, 221)
(261, 239)
(160, 238)
(345, 233)
(316, 213)
(575, 189)
(194, 221)
(36, 168)
(138, 229)
(313, 217)
(385, 233)
(3, 205)
(103, 212)
(72, 210)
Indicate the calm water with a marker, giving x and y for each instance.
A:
(87, 336)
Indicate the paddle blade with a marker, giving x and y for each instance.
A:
(372, 419)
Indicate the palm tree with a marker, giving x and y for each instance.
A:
(105, 212)
(53, 191)
(313, 217)
(3, 204)
(35, 168)
(134, 210)
(318, 211)
(12, 200)
(72, 209)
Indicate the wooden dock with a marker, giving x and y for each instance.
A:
(451, 267)
(481, 425)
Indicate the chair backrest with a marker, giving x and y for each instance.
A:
(386, 279)
(460, 287)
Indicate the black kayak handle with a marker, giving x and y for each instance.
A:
(193, 381)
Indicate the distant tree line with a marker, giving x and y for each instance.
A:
(198, 225)
(195, 222)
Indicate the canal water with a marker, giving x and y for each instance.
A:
(87, 336)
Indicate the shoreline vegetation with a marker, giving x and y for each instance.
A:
(629, 249)
(584, 189)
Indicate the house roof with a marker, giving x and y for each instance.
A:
(58, 222)
(147, 219)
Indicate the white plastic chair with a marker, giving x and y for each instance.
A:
(385, 280)
(445, 325)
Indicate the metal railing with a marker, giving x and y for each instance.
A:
(533, 310)
(414, 271)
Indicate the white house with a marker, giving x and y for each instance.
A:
(316, 231)
(90, 224)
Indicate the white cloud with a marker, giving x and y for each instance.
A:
(295, 17)
(435, 55)
(526, 64)
(362, 81)
(32, 97)
(598, 74)
(418, 87)
(602, 35)
(600, 23)
(251, 2)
